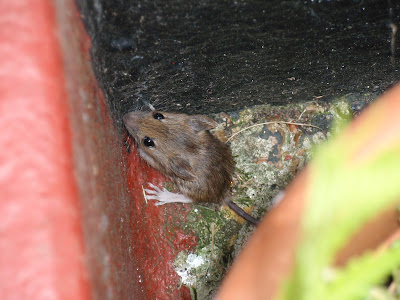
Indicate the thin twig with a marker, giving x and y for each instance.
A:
(393, 42)
(272, 122)
(144, 195)
(212, 239)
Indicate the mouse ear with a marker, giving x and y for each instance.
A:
(182, 168)
(200, 123)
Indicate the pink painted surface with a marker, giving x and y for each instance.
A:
(41, 246)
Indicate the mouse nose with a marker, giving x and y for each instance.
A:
(130, 120)
(125, 118)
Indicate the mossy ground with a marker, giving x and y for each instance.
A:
(267, 157)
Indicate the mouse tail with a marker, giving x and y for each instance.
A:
(239, 211)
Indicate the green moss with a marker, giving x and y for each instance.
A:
(211, 227)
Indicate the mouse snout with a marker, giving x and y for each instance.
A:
(131, 120)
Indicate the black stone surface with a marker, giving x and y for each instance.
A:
(207, 56)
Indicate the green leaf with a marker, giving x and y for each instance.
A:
(344, 195)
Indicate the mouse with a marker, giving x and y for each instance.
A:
(182, 148)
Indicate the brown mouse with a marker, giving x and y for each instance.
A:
(182, 148)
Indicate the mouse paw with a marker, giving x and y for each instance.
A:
(163, 196)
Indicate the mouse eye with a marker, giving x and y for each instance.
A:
(158, 116)
(148, 142)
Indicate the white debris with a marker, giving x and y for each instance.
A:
(188, 271)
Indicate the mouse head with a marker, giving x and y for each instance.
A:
(171, 143)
